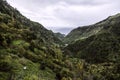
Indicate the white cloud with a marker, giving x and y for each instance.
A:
(66, 13)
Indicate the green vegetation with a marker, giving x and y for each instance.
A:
(87, 31)
(28, 51)
(59, 35)
(101, 51)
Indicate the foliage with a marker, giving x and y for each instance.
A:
(28, 51)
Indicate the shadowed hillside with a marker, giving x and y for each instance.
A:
(28, 51)
(87, 31)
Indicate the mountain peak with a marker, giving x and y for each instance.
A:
(86, 31)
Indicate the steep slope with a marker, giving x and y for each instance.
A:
(86, 31)
(101, 50)
(21, 22)
(59, 35)
(28, 51)
(102, 46)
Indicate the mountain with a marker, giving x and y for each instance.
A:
(21, 22)
(99, 46)
(99, 42)
(87, 31)
(59, 35)
(28, 51)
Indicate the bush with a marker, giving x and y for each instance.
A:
(5, 66)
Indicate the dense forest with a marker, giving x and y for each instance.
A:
(28, 51)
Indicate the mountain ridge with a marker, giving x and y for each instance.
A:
(30, 52)
(86, 31)
(98, 43)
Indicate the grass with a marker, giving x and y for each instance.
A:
(20, 42)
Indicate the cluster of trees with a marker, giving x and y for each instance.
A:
(28, 51)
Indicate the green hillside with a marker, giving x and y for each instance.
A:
(103, 43)
(87, 31)
(100, 48)
(28, 51)
(60, 36)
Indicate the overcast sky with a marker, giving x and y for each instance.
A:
(64, 15)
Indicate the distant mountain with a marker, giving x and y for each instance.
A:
(97, 43)
(87, 31)
(59, 35)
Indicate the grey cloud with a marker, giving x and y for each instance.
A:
(64, 14)
(64, 30)
(73, 2)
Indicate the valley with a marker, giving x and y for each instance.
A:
(29, 51)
